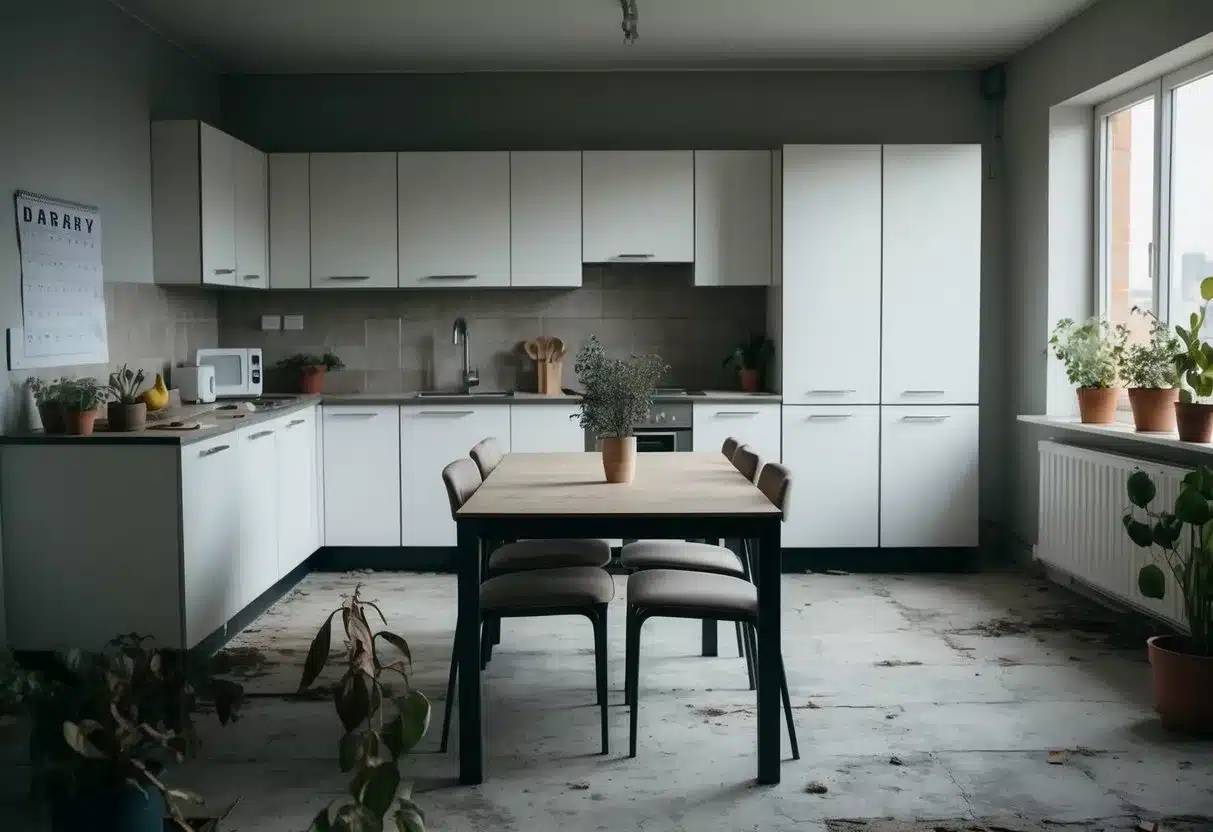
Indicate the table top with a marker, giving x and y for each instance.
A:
(573, 485)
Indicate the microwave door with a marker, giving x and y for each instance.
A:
(229, 373)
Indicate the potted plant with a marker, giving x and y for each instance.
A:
(1181, 666)
(105, 725)
(47, 395)
(127, 411)
(1092, 353)
(310, 369)
(1194, 364)
(374, 736)
(618, 394)
(751, 359)
(1149, 371)
(81, 398)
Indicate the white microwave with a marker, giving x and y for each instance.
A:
(238, 372)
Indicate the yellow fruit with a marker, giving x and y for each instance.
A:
(156, 396)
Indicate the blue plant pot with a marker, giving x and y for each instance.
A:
(122, 809)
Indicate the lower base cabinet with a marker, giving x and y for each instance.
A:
(756, 425)
(298, 503)
(546, 429)
(210, 534)
(361, 475)
(259, 483)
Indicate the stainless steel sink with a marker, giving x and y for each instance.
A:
(435, 394)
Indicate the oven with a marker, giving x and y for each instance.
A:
(666, 428)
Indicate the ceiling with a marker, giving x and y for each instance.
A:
(309, 36)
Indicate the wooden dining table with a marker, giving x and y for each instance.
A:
(673, 496)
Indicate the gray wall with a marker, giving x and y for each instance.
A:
(1101, 48)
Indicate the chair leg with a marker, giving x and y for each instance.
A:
(751, 665)
(497, 632)
(486, 640)
(628, 681)
(450, 693)
(634, 660)
(600, 670)
(740, 643)
(787, 709)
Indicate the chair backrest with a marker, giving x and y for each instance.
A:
(461, 479)
(487, 455)
(775, 481)
(729, 448)
(747, 461)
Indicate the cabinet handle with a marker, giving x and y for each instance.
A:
(923, 418)
(922, 392)
(261, 434)
(250, 277)
(831, 392)
(349, 277)
(450, 277)
(446, 413)
(350, 415)
(730, 413)
(295, 422)
(829, 417)
(225, 271)
(635, 256)
(214, 450)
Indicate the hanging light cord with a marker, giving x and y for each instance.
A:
(630, 18)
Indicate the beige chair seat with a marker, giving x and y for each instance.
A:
(538, 589)
(679, 554)
(678, 589)
(549, 554)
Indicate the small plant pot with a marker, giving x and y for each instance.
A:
(126, 417)
(311, 380)
(51, 416)
(1183, 685)
(1153, 408)
(122, 808)
(749, 380)
(1194, 422)
(1097, 405)
(79, 422)
(619, 458)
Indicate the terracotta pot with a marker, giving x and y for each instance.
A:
(749, 380)
(1194, 421)
(312, 380)
(1183, 685)
(1097, 405)
(79, 422)
(1153, 408)
(51, 416)
(126, 417)
(619, 458)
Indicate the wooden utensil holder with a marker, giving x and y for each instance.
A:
(550, 375)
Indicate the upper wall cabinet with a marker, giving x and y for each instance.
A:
(454, 211)
(732, 217)
(353, 220)
(932, 274)
(545, 218)
(290, 221)
(208, 206)
(638, 206)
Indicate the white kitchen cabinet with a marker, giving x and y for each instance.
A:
(353, 206)
(732, 217)
(290, 243)
(752, 424)
(928, 476)
(252, 217)
(361, 475)
(834, 455)
(638, 206)
(831, 275)
(545, 219)
(930, 329)
(298, 508)
(431, 437)
(454, 213)
(257, 484)
(546, 429)
(210, 534)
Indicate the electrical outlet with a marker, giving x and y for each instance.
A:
(271, 323)
(294, 323)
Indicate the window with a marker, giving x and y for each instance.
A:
(1191, 194)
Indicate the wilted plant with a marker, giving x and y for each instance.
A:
(373, 741)
(1092, 352)
(125, 384)
(617, 392)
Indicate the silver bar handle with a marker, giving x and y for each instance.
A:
(295, 422)
(829, 417)
(450, 277)
(351, 415)
(923, 418)
(250, 277)
(225, 271)
(214, 450)
(738, 413)
(635, 256)
(923, 392)
(261, 434)
(349, 277)
(831, 392)
(446, 413)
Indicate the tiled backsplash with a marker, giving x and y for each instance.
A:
(395, 341)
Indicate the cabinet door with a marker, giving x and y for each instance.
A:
(732, 217)
(252, 218)
(546, 429)
(831, 275)
(545, 218)
(928, 476)
(298, 525)
(752, 424)
(638, 206)
(834, 456)
(454, 219)
(431, 437)
(210, 517)
(361, 476)
(217, 160)
(289, 220)
(353, 220)
(932, 274)
(258, 487)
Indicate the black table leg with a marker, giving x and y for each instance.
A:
(471, 706)
(769, 652)
(710, 631)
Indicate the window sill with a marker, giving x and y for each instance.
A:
(1121, 431)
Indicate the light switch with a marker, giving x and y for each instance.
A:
(271, 323)
(293, 323)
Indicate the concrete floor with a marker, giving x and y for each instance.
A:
(918, 698)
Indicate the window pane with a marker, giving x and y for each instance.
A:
(1191, 195)
(1129, 213)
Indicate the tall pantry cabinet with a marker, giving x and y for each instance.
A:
(881, 275)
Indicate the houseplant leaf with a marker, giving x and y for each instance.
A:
(317, 654)
(1141, 489)
(1151, 582)
(1139, 532)
(409, 817)
(79, 743)
(380, 788)
(397, 642)
(1206, 288)
(1192, 508)
(352, 701)
(348, 750)
(1167, 530)
(411, 722)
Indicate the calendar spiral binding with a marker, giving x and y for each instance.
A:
(34, 196)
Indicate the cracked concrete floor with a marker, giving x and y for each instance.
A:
(918, 697)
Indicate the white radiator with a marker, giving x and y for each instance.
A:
(1082, 500)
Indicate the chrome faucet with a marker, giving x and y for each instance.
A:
(470, 377)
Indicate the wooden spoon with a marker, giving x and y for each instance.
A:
(558, 349)
(532, 348)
